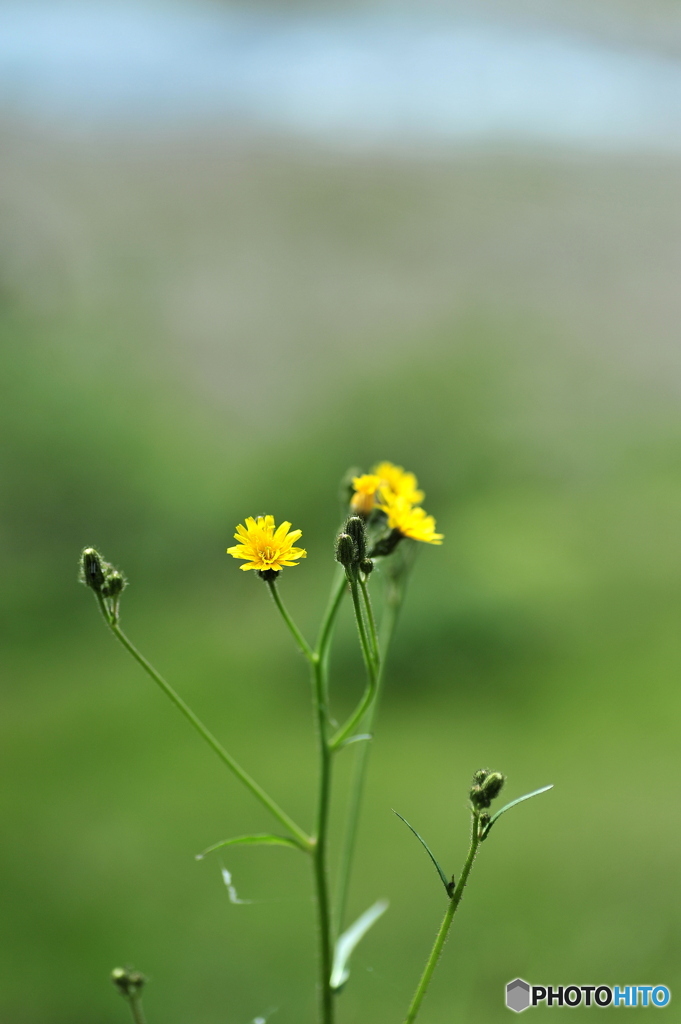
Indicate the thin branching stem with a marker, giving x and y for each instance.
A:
(372, 668)
(320, 852)
(328, 622)
(373, 632)
(301, 837)
(136, 1010)
(441, 937)
(300, 640)
(360, 771)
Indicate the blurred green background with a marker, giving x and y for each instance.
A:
(202, 328)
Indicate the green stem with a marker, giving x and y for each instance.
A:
(360, 770)
(302, 839)
(136, 1010)
(441, 937)
(372, 668)
(326, 629)
(371, 620)
(295, 632)
(320, 852)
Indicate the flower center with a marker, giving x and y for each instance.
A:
(268, 555)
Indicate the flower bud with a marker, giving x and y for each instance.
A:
(346, 552)
(92, 570)
(478, 798)
(367, 566)
(128, 982)
(480, 776)
(114, 582)
(492, 785)
(356, 529)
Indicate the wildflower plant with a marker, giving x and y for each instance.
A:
(383, 526)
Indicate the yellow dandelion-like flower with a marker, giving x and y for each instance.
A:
(263, 546)
(398, 483)
(411, 522)
(366, 488)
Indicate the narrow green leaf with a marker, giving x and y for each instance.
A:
(355, 739)
(507, 807)
(428, 851)
(255, 840)
(345, 943)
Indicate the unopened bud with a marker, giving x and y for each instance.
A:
(114, 582)
(492, 785)
(478, 798)
(346, 552)
(483, 822)
(480, 776)
(356, 529)
(91, 570)
(128, 982)
(367, 566)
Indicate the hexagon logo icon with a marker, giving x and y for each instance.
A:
(517, 995)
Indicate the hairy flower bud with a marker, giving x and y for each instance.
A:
(367, 566)
(92, 569)
(486, 786)
(346, 552)
(128, 982)
(114, 582)
(356, 529)
(478, 798)
(493, 784)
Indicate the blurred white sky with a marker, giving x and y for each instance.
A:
(377, 77)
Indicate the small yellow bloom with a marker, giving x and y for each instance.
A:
(411, 522)
(264, 547)
(399, 483)
(364, 498)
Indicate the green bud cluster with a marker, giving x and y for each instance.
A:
(351, 548)
(99, 575)
(128, 982)
(486, 787)
(105, 580)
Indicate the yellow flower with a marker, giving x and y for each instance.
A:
(399, 483)
(364, 498)
(411, 522)
(264, 547)
(386, 481)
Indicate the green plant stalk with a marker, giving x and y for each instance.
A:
(441, 937)
(372, 668)
(320, 852)
(302, 839)
(373, 633)
(136, 1010)
(360, 768)
(318, 661)
(295, 632)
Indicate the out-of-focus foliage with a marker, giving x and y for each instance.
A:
(541, 638)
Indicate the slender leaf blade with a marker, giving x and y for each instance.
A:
(428, 850)
(507, 807)
(346, 943)
(359, 738)
(263, 839)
